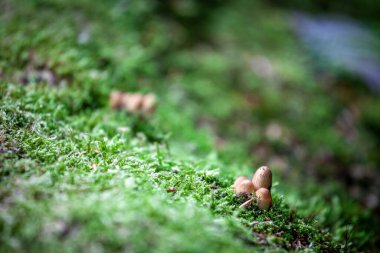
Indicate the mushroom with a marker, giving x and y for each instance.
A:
(116, 98)
(132, 101)
(244, 186)
(263, 198)
(148, 104)
(262, 178)
(238, 180)
(135, 103)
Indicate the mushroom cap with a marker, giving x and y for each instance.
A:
(238, 180)
(245, 186)
(262, 178)
(264, 198)
(148, 104)
(132, 101)
(116, 99)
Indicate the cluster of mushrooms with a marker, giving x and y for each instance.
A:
(257, 189)
(133, 102)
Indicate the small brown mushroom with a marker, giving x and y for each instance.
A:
(238, 180)
(245, 186)
(135, 103)
(262, 178)
(116, 98)
(148, 104)
(132, 102)
(263, 198)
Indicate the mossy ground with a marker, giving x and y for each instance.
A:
(77, 176)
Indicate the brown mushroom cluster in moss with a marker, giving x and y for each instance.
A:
(259, 187)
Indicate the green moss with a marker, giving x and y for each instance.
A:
(77, 176)
(81, 187)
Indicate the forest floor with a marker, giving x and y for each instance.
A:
(77, 175)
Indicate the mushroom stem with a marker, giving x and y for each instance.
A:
(247, 203)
